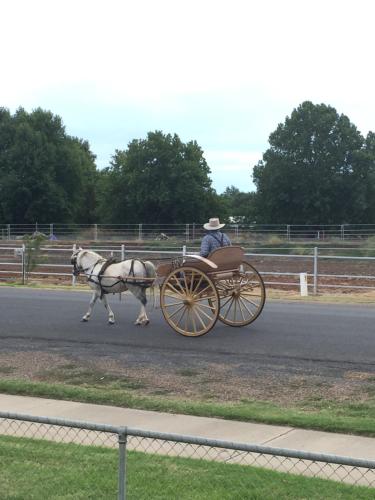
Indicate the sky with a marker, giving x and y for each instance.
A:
(223, 73)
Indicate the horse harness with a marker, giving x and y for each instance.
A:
(129, 279)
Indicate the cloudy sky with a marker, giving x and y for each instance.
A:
(223, 73)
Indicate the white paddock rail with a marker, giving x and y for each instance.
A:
(18, 262)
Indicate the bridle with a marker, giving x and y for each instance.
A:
(78, 269)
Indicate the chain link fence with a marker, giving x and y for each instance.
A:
(54, 458)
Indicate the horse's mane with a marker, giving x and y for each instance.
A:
(92, 254)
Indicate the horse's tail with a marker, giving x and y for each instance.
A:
(150, 269)
(150, 273)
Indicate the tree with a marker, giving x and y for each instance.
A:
(318, 170)
(239, 206)
(45, 175)
(157, 180)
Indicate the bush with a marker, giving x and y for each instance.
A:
(32, 251)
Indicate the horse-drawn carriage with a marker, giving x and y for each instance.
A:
(194, 291)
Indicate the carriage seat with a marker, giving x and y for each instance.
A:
(226, 258)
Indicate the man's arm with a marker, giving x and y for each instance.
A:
(205, 246)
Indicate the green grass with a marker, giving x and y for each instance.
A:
(34, 469)
(319, 414)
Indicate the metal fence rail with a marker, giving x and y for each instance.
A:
(168, 461)
(187, 231)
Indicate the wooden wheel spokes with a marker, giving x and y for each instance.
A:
(189, 302)
(242, 297)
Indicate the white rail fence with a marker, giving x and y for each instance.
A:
(55, 262)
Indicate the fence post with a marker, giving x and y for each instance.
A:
(343, 231)
(8, 232)
(187, 233)
(288, 232)
(303, 284)
(73, 277)
(193, 231)
(140, 232)
(95, 232)
(23, 264)
(122, 465)
(122, 252)
(315, 270)
(51, 229)
(184, 250)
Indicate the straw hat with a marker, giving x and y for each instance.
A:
(213, 224)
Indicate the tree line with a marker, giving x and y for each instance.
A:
(318, 169)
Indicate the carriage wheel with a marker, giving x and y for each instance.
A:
(242, 296)
(189, 302)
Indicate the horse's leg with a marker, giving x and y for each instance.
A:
(94, 298)
(140, 293)
(111, 316)
(142, 317)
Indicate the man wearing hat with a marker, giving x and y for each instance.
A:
(214, 237)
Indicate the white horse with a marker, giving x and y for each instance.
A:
(105, 276)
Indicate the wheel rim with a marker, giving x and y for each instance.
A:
(189, 302)
(242, 296)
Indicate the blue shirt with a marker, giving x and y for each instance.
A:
(212, 241)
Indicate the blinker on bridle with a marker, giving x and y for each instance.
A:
(76, 270)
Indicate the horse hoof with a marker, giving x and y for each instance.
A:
(111, 322)
(84, 320)
(145, 323)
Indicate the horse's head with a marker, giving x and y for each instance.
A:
(75, 261)
(84, 260)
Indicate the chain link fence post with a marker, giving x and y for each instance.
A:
(122, 439)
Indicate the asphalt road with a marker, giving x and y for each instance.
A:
(296, 336)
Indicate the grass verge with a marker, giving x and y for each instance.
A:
(320, 415)
(36, 469)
